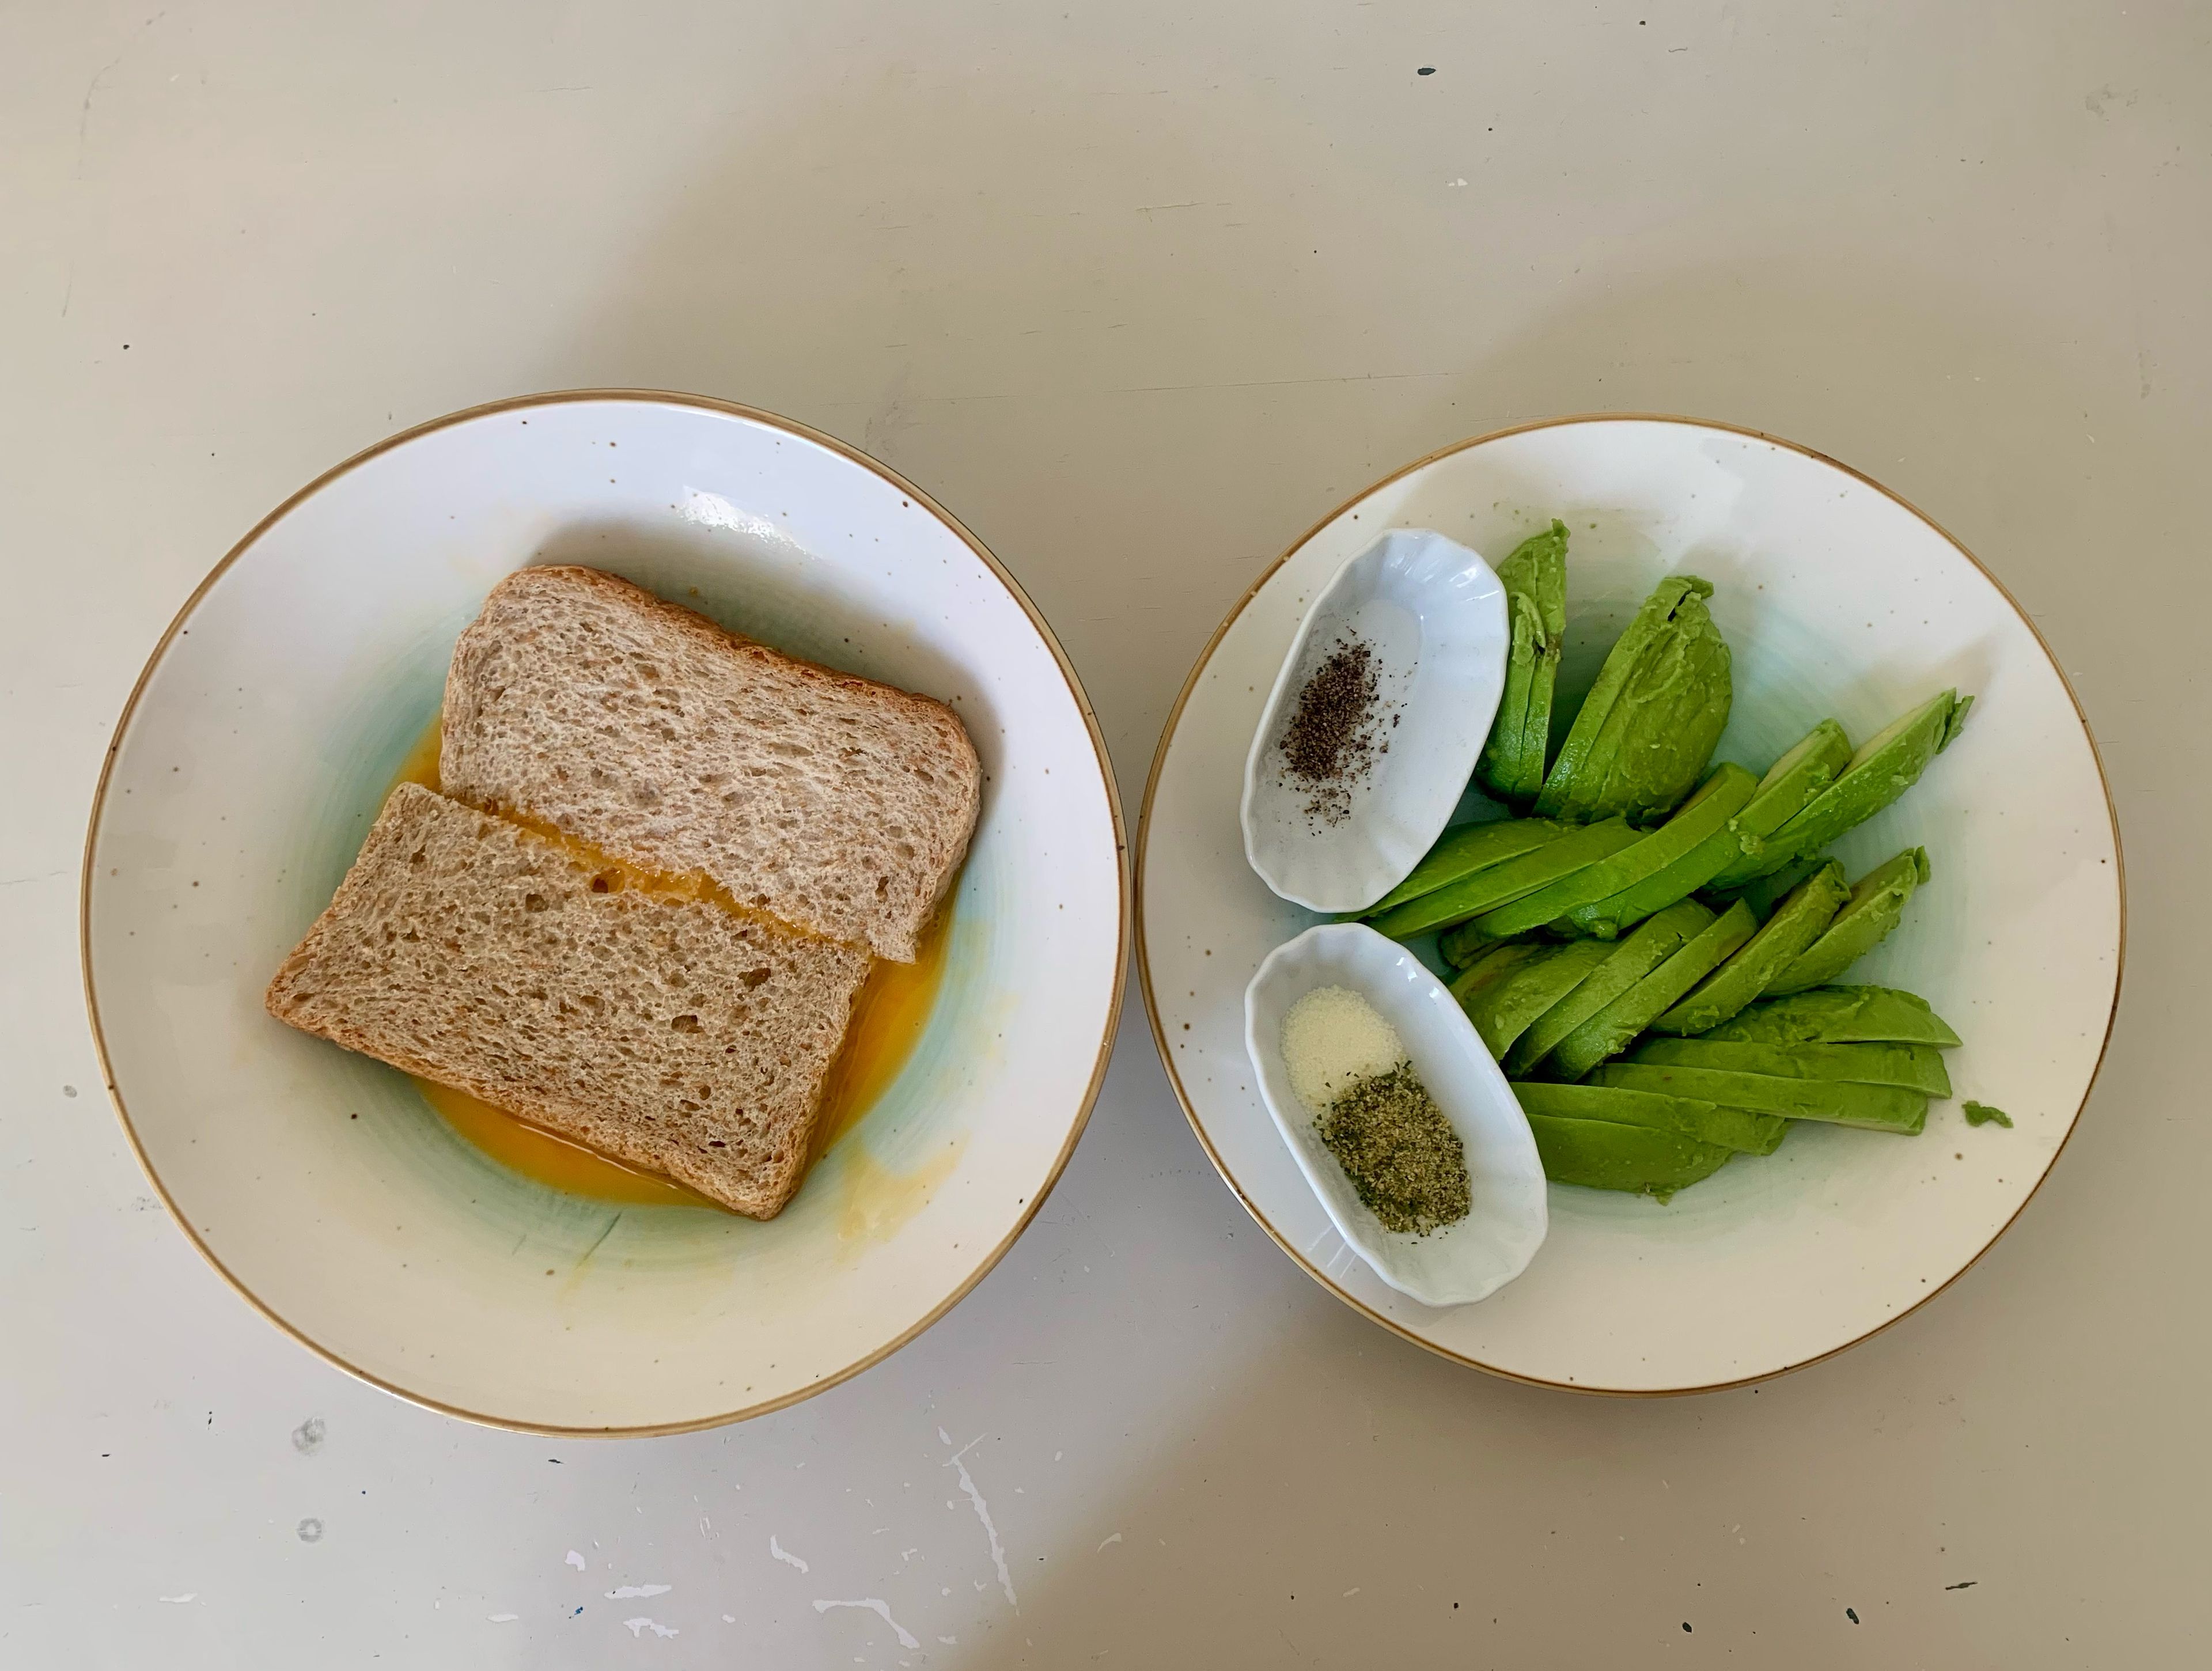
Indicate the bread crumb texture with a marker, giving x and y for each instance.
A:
(668, 1032)
(840, 805)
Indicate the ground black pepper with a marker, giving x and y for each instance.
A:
(1330, 744)
(1405, 1161)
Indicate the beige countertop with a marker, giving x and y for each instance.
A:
(1138, 291)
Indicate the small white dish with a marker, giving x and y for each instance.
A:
(1434, 616)
(1461, 1263)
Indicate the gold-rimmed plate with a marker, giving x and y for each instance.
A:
(257, 748)
(1837, 599)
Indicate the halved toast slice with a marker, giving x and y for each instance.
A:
(839, 805)
(665, 1029)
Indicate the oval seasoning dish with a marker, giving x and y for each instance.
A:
(1416, 627)
(1464, 1261)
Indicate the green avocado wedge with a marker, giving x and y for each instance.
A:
(1471, 986)
(1795, 924)
(1501, 884)
(1606, 918)
(1764, 893)
(1535, 575)
(1460, 852)
(1836, 1102)
(1641, 740)
(1612, 1029)
(1706, 812)
(1875, 906)
(1805, 770)
(1627, 962)
(1738, 1129)
(1461, 947)
(1598, 1154)
(1669, 864)
(1840, 1015)
(1886, 765)
(1908, 1067)
(1504, 994)
(1494, 964)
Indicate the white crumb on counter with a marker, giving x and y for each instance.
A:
(1332, 1038)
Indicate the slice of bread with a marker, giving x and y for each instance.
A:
(842, 806)
(667, 1030)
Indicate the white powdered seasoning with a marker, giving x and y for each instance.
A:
(1332, 1038)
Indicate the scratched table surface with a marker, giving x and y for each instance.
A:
(1140, 290)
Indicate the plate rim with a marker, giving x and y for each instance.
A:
(1175, 719)
(1123, 868)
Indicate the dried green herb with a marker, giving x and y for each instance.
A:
(1405, 1161)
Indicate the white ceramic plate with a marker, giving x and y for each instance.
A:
(256, 750)
(1837, 598)
(1434, 616)
(1460, 1263)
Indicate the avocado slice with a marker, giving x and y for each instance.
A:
(1501, 884)
(1876, 904)
(1706, 812)
(1795, 924)
(1806, 769)
(1626, 962)
(1462, 852)
(1642, 737)
(1802, 772)
(1495, 962)
(1764, 893)
(1913, 1066)
(1461, 947)
(1610, 1030)
(1600, 1155)
(1667, 864)
(1840, 1015)
(1606, 918)
(1890, 763)
(1878, 1108)
(1535, 575)
(1516, 990)
(1738, 1129)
